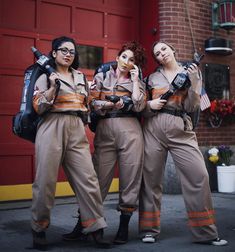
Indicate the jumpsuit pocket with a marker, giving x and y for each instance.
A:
(188, 125)
(183, 123)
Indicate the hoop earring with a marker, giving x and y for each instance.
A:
(53, 54)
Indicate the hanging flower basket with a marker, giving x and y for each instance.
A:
(215, 120)
(221, 111)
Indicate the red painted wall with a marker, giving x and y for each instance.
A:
(26, 23)
(149, 31)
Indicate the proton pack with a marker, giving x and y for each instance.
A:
(24, 123)
(26, 120)
(94, 117)
(181, 80)
(181, 83)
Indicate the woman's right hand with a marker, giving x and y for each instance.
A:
(53, 76)
(157, 104)
(108, 105)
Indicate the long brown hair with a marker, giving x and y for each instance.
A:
(163, 42)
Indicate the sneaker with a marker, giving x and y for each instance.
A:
(148, 239)
(215, 242)
(218, 242)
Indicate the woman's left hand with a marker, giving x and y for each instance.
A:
(119, 105)
(134, 72)
(195, 78)
(193, 72)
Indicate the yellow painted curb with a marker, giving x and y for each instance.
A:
(24, 192)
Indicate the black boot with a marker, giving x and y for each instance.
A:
(99, 240)
(76, 234)
(122, 234)
(39, 240)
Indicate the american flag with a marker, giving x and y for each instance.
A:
(205, 101)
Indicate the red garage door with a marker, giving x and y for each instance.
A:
(101, 25)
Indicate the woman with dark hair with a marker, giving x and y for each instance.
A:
(168, 128)
(61, 99)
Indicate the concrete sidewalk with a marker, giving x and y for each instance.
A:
(15, 232)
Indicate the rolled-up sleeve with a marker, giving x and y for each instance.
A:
(140, 103)
(148, 112)
(192, 101)
(95, 94)
(40, 103)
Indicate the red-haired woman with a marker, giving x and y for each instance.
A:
(118, 136)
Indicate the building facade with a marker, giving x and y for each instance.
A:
(100, 27)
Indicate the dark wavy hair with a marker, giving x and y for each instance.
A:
(138, 51)
(57, 42)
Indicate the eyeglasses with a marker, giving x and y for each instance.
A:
(65, 51)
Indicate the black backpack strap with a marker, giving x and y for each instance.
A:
(104, 68)
(148, 91)
(87, 89)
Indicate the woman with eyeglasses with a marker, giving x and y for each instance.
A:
(61, 99)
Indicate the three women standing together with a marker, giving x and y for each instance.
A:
(61, 140)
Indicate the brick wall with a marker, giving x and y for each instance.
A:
(175, 29)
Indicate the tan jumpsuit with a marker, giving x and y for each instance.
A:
(165, 132)
(61, 140)
(118, 139)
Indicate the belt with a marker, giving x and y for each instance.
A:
(118, 114)
(74, 113)
(174, 112)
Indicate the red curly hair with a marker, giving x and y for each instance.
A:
(138, 51)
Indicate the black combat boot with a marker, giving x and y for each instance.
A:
(99, 240)
(76, 234)
(122, 234)
(39, 240)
